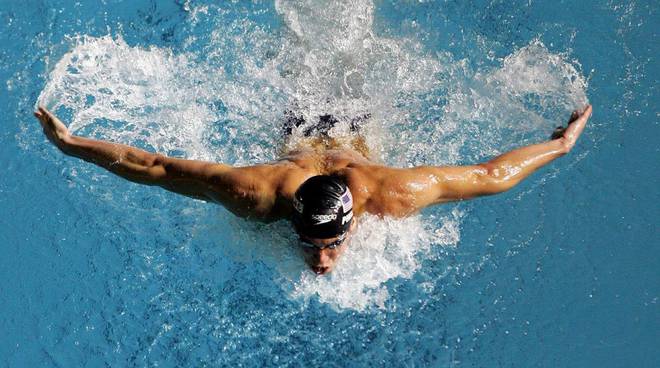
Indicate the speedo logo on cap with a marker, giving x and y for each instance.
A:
(322, 219)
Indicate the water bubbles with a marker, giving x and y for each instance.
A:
(148, 92)
(223, 98)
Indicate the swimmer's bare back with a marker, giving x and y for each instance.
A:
(264, 192)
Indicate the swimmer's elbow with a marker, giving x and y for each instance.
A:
(493, 179)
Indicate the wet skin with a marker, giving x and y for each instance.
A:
(264, 192)
(322, 261)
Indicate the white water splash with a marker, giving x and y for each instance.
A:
(149, 95)
(223, 100)
(380, 250)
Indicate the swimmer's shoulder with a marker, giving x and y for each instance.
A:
(386, 191)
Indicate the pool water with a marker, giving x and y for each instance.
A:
(562, 271)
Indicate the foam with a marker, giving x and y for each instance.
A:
(222, 99)
(148, 92)
(380, 250)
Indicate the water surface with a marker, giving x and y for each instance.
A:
(560, 271)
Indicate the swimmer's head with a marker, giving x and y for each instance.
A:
(323, 207)
(323, 218)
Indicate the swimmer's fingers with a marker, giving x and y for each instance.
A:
(576, 114)
(53, 128)
(50, 121)
(40, 115)
(44, 119)
(575, 127)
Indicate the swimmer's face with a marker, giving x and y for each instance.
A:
(322, 261)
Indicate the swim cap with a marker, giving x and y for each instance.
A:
(323, 207)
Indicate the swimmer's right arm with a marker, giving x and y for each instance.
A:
(241, 190)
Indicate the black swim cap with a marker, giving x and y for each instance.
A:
(323, 207)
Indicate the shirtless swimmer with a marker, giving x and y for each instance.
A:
(321, 189)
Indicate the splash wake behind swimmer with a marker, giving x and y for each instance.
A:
(130, 87)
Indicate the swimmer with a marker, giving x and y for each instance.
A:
(321, 188)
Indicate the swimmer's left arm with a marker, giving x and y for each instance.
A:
(507, 170)
(428, 185)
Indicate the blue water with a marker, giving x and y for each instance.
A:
(562, 271)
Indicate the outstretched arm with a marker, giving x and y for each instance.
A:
(430, 185)
(236, 188)
(507, 170)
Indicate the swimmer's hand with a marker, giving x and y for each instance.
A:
(574, 128)
(54, 129)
